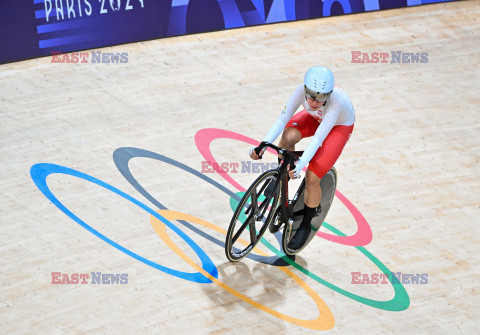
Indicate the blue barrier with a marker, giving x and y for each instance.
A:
(35, 28)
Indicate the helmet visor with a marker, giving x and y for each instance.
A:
(316, 95)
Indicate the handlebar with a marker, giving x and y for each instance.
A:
(294, 155)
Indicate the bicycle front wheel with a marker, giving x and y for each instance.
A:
(252, 216)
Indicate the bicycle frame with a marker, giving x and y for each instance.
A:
(288, 214)
(289, 159)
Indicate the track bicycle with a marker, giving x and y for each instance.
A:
(266, 204)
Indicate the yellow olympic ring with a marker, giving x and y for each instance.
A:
(325, 319)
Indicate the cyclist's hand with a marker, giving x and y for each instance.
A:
(291, 174)
(253, 154)
(295, 173)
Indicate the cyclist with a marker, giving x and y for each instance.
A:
(329, 117)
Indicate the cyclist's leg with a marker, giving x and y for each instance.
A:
(301, 125)
(313, 192)
(331, 148)
(312, 198)
(321, 163)
(290, 137)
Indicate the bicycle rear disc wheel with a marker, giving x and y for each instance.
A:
(328, 184)
(252, 216)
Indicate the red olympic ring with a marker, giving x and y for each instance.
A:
(205, 136)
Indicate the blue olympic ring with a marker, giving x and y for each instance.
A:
(40, 172)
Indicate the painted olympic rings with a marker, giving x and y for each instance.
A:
(207, 272)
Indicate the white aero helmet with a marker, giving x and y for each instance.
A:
(319, 83)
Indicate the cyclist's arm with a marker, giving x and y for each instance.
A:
(293, 103)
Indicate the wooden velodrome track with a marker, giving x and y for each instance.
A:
(411, 169)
